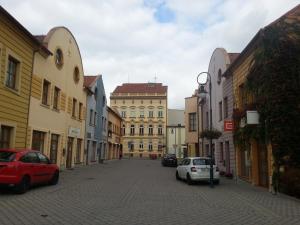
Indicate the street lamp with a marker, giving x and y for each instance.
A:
(202, 79)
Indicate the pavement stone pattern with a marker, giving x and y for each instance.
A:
(142, 192)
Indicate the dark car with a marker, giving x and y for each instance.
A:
(169, 160)
(24, 168)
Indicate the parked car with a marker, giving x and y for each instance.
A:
(194, 169)
(22, 169)
(169, 160)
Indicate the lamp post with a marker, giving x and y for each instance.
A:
(202, 94)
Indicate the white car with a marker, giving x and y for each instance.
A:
(194, 169)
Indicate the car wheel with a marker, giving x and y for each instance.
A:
(55, 178)
(177, 176)
(188, 179)
(23, 186)
(217, 182)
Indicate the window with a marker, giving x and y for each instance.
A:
(103, 101)
(12, 73)
(80, 110)
(38, 140)
(141, 130)
(123, 129)
(150, 114)
(7, 156)
(150, 146)
(123, 114)
(160, 114)
(76, 75)
(43, 159)
(132, 114)
(142, 114)
(150, 132)
(46, 89)
(56, 98)
(160, 130)
(74, 108)
(91, 116)
(95, 118)
(132, 129)
(221, 152)
(192, 121)
(6, 137)
(131, 146)
(220, 111)
(219, 79)
(59, 58)
(141, 145)
(30, 157)
(225, 107)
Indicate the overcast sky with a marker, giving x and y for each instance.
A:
(138, 40)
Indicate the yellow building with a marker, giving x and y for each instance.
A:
(114, 134)
(192, 127)
(17, 49)
(144, 107)
(58, 101)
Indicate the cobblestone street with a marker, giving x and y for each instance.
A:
(143, 192)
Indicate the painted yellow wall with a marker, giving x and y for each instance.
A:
(144, 102)
(46, 118)
(114, 140)
(14, 104)
(190, 107)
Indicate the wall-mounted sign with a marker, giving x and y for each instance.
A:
(228, 125)
(252, 117)
(74, 132)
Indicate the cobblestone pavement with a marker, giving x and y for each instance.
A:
(142, 192)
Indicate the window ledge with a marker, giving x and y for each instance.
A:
(45, 106)
(12, 90)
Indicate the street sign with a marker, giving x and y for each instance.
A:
(228, 125)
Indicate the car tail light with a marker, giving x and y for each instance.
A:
(193, 169)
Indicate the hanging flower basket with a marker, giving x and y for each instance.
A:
(210, 134)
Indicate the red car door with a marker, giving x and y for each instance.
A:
(46, 170)
(29, 164)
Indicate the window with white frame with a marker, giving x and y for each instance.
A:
(12, 73)
(150, 130)
(160, 114)
(46, 93)
(142, 114)
(141, 129)
(123, 129)
(150, 114)
(123, 114)
(132, 114)
(132, 128)
(160, 130)
(141, 145)
(150, 146)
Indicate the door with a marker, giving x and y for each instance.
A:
(263, 165)
(53, 148)
(30, 165)
(227, 157)
(69, 152)
(78, 151)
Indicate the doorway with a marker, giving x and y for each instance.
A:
(69, 152)
(54, 148)
(263, 165)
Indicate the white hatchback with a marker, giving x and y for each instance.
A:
(196, 169)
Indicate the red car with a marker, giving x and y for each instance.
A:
(22, 169)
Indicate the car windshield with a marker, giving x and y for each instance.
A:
(199, 162)
(171, 156)
(7, 156)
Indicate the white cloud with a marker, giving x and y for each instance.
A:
(123, 38)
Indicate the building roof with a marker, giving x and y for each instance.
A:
(141, 88)
(89, 80)
(233, 56)
(24, 30)
(251, 45)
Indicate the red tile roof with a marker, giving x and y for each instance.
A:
(141, 88)
(88, 80)
(233, 56)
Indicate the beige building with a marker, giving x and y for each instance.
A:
(192, 127)
(143, 106)
(176, 133)
(114, 134)
(58, 101)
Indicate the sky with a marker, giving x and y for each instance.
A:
(164, 41)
